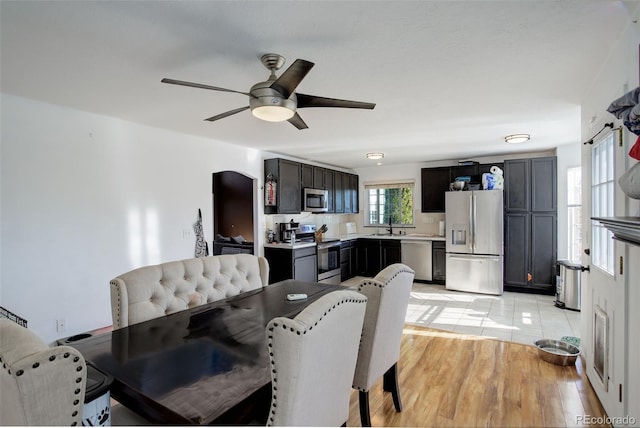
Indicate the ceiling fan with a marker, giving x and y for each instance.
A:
(274, 100)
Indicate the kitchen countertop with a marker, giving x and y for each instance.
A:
(407, 237)
(289, 246)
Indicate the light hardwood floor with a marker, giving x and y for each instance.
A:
(450, 379)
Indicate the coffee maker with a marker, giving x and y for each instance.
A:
(285, 230)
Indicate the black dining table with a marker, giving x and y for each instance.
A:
(198, 366)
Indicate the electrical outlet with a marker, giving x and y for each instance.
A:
(187, 234)
(430, 220)
(61, 325)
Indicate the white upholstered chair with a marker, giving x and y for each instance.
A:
(388, 297)
(154, 291)
(39, 385)
(313, 357)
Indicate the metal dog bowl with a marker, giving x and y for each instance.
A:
(557, 351)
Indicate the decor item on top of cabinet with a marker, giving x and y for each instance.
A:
(270, 191)
(202, 249)
(493, 180)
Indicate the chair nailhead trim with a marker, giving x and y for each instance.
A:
(378, 284)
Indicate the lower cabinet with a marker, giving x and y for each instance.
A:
(376, 254)
(390, 252)
(439, 262)
(348, 259)
(288, 263)
(368, 257)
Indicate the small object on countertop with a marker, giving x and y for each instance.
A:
(296, 296)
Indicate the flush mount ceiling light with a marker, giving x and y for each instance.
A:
(517, 138)
(374, 156)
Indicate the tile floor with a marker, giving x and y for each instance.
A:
(515, 317)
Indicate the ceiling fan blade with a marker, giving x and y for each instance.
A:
(291, 78)
(314, 101)
(226, 114)
(297, 121)
(201, 86)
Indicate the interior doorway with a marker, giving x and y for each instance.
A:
(234, 212)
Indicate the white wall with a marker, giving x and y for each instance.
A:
(87, 197)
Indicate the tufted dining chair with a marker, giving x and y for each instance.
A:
(154, 291)
(388, 297)
(39, 385)
(313, 357)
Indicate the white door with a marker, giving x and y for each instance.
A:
(603, 289)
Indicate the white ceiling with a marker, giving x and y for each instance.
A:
(450, 78)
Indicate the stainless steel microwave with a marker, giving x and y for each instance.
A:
(315, 200)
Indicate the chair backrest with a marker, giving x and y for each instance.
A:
(388, 297)
(313, 357)
(39, 385)
(154, 291)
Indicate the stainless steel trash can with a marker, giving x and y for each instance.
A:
(568, 285)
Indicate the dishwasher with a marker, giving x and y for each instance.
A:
(417, 255)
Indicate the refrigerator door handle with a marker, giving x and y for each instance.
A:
(473, 222)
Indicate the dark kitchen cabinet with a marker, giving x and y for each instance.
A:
(288, 263)
(306, 175)
(368, 257)
(530, 225)
(292, 177)
(517, 186)
(329, 177)
(390, 252)
(348, 259)
(435, 182)
(286, 173)
(312, 176)
(354, 193)
(439, 262)
(350, 193)
(339, 191)
(376, 254)
(319, 177)
(345, 192)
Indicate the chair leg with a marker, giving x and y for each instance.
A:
(390, 384)
(365, 416)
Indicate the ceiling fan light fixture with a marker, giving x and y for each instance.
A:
(517, 138)
(374, 156)
(273, 113)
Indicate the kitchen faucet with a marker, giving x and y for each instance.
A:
(390, 229)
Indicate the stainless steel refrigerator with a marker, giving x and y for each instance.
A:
(474, 237)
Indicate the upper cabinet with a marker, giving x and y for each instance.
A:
(435, 182)
(286, 174)
(292, 177)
